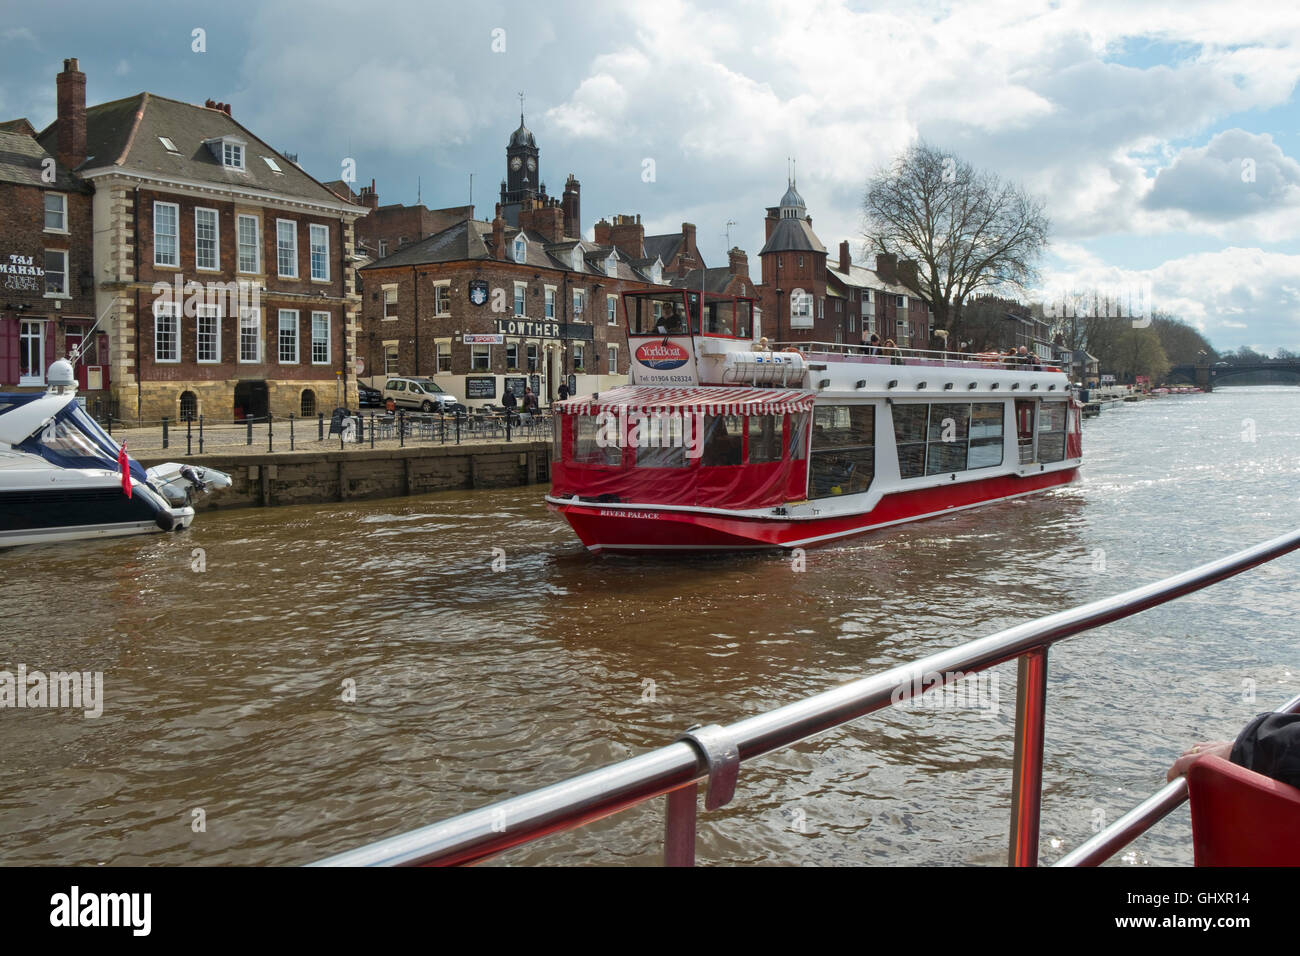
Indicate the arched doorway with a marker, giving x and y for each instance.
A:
(251, 400)
(308, 406)
(189, 406)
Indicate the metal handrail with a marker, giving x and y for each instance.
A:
(681, 766)
(1141, 818)
(982, 359)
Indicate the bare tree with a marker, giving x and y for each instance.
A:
(966, 230)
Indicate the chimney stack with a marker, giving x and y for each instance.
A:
(845, 259)
(572, 207)
(907, 273)
(498, 235)
(370, 196)
(739, 262)
(602, 232)
(71, 122)
(627, 235)
(887, 266)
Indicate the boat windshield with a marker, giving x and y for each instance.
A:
(72, 439)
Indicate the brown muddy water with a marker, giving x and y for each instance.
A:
(227, 652)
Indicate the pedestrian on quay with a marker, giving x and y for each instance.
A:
(530, 401)
(564, 390)
(510, 403)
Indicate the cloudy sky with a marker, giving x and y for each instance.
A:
(1162, 136)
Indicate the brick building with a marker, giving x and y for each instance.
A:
(522, 300)
(793, 290)
(387, 229)
(223, 270)
(47, 302)
(865, 302)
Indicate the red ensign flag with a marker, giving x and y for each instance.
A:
(125, 462)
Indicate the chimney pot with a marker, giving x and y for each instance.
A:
(71, 118)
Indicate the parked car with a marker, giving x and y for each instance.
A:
(421, 393)
(369, 397)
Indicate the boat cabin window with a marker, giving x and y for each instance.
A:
(663, 313)
(592, 444)
(843, 450)
(946, 437)
(661, 441)
(1051, 431)
(679, 313)
(724, 440)
(765, 433)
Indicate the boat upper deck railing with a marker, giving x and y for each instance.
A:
(714, 754)
(881, 354)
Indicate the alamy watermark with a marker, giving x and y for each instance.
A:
(78, 690)
(633, 429)
(953, 690)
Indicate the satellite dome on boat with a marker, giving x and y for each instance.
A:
(60, 374)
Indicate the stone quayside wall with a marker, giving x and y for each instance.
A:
(309, 478)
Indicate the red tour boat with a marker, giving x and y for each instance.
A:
(723, 441)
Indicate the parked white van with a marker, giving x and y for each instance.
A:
(421, 393)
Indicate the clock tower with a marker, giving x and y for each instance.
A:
(522, 171)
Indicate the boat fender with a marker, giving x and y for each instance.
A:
(164, 520)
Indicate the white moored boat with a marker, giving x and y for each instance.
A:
(721, 442)
(62, 477)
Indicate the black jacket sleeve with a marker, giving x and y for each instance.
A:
(1270, 744)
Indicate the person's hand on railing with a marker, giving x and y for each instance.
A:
(1213, 748)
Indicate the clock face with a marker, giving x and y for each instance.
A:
(516, 163)
(532, 164)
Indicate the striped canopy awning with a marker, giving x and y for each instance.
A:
(709, 399)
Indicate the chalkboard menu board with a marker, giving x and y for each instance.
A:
(573, 385)
(480, 386)
(516, 385)
(336, 420)
(535, 382)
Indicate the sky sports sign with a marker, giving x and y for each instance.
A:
(664, 361)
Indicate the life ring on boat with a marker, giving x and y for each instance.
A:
(791, 348)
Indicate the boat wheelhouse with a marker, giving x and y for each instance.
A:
(725, 441)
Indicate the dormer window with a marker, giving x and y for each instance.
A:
(657, 272)
(521, 248)
(611, 265)
(576, 257)
(229, 150)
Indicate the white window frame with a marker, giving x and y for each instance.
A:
(67, 290)
(389, 292)
(611, 265)
(580, 356)
(232, 151)
(475, 354)
(520, 249)
(532, 357)
(279, 241)
(579, 305)
(550, 301)
(175, 237)
(329, 339)
(611, 309)
(442, 297)
(520, 303)
(256, 315)
(205, 311)
(312, 231)
(512, 346)
(63, 213)
(441, 350)
(383, 248)
(216, 240)
(24, 325)
(611, 355)
(281, 328)
(394, 345)
(169, 310)
(240, 244)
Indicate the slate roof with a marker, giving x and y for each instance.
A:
(665, 247)
(21, 162)
(792, 235)
(125, 133)
(715, 280)
(860, 277)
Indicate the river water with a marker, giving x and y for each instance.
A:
(225, 737)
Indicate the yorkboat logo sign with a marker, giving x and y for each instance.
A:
(478, 291)
(662, 356)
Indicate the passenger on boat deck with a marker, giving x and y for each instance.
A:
(1268, 745)
(671, 322)
(1025, 358)
(891, 350)
(762, 345)
(873, 345)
